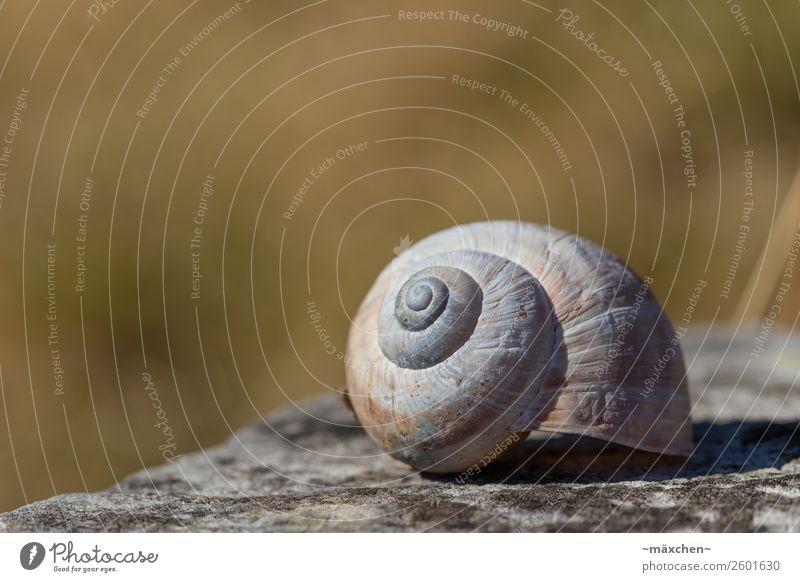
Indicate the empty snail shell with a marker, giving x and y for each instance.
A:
(490, 330)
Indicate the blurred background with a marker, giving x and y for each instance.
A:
(195, 196)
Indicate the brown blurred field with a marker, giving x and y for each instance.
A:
(269, 93)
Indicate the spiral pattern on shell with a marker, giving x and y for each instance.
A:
(455, 361)
(435, 313)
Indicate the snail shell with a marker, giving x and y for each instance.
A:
(485, 331)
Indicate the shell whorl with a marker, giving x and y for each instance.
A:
(462, 338)
(435, 312)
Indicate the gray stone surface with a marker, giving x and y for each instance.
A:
(313, 470)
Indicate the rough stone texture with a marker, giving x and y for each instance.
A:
(313, 470)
